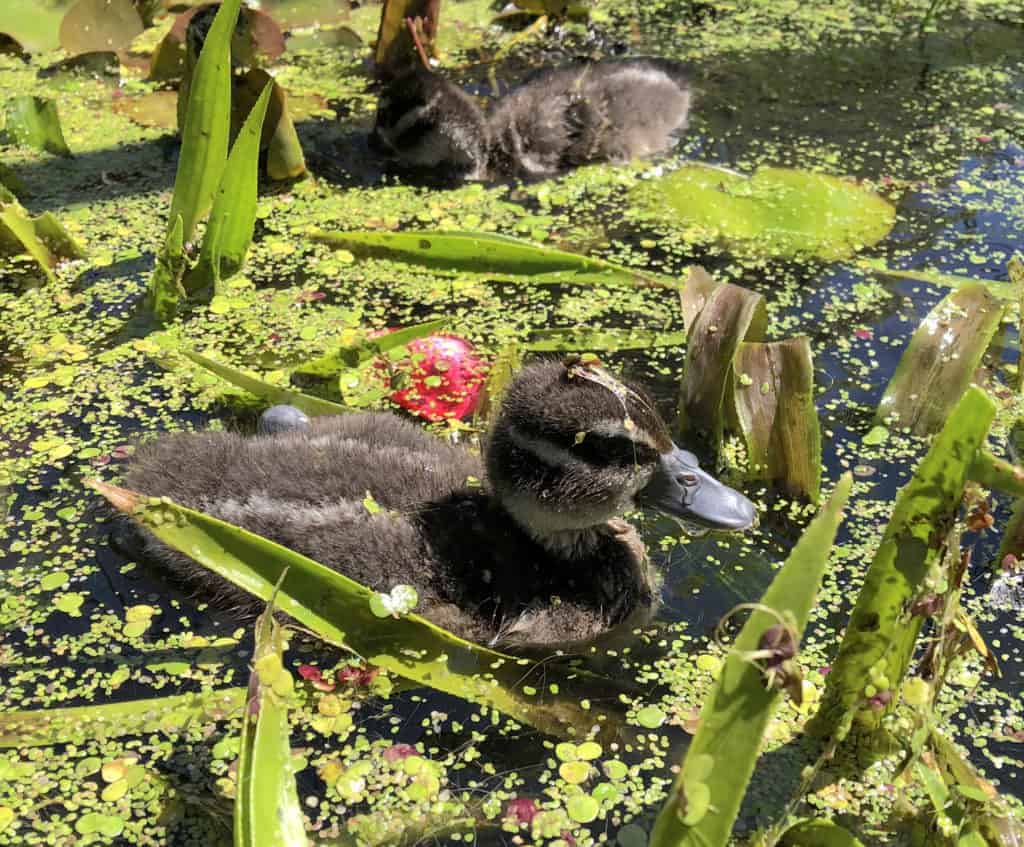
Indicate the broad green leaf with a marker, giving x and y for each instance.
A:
(881, 632)
(941, 360)
(229, 230)
(776, 212)
(267, 810)
(339, 609)
(204, 137)
(96, 26)
(706, 796)
(33, 24)
(274, 393)
(997, 474)
(285, 159)
(505, 258)
(818, 833)
(730, 316)
(601, 340)
(165, 291)
(773, 391)
(45, 727)
(33, 122)
(352, 355)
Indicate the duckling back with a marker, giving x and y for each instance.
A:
(613, 111)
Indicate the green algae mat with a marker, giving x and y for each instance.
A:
(846, 166)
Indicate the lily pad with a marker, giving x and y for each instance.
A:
(776, 212)
(99, 25)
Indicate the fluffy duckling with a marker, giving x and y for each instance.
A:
(523, 549)
(608, 111)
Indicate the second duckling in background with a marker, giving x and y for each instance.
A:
(608, 111)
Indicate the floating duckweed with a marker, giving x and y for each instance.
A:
(916, 692)
(582, 808)
(650, 717)
(614, 769)
(589, 750)
(574, 772)
(566, 751)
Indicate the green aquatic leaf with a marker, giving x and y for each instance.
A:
(941, 360)
(881, 634)
(165, 291)
(730, 316)
(780, 425)
(504, 258)
(339, 609)
(722, 755)
(33, 122)
(267, 810)
(167, 715)
(273, 393)
(233, 217)
(204, 137)
(776, 212)
(43, 238)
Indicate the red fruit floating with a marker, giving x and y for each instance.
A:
(441, 378)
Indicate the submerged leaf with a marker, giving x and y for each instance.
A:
(780, 425)
(776, 212)
(721, 757)
(941, 360)
(96, 26)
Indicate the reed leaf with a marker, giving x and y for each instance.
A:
(1001, 289)
(339, 609)
(272, 393)
(773, 391)
(506, 259)
(998, 474)
(707, 793)
(941, 360)
(879, 639)
(229, 230)
(165, 291)
(267, 810)
(45, 727)
(204, 137)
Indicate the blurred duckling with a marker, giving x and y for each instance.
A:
(523, 549)
(608, 111)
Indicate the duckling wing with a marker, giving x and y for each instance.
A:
(334, 459)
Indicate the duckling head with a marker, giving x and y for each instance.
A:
(574, 447)
(424, 121)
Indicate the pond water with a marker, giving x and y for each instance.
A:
(928, 111)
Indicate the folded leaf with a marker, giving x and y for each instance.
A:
(941, 360)
(33, 122)
(773, 391)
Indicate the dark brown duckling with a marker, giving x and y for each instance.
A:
(608, 111)
(523, 549)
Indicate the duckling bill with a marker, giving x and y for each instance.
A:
(608, 111)
(523, 549)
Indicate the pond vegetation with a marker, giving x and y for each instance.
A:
(822, 287)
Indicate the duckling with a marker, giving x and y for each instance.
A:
(607, 111)
(524, 549)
